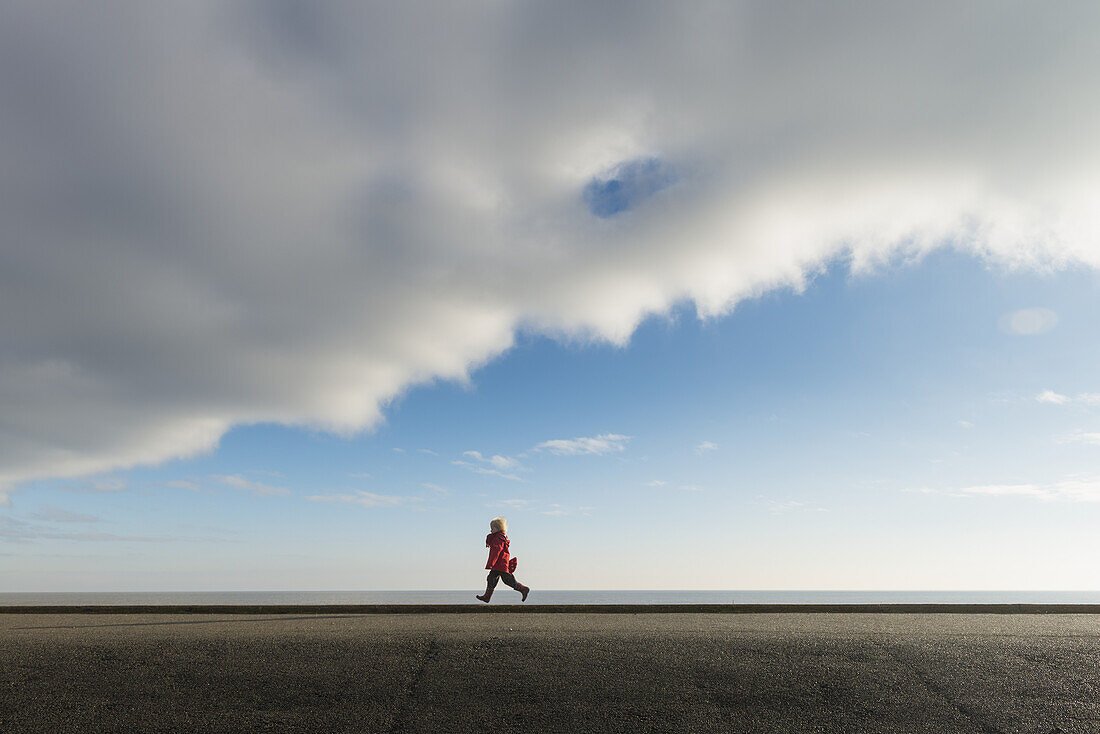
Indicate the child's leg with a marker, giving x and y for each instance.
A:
(508, 578)
(511, 581)
(490, 584)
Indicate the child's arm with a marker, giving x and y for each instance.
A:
(494, 553)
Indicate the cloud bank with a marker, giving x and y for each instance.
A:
(287, 212)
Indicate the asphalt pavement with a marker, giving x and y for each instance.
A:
(537, 672)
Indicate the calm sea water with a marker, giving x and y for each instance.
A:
(551, 596)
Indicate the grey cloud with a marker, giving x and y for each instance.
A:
(291, 212)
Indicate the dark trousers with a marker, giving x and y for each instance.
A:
(491, 579)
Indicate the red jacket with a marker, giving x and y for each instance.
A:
(497, 543)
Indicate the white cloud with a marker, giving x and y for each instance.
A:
(1072, 489)
(1082, 437)
(56, 514)
(552, 509)
(487, 470)
(183, 484)
(22, 531)
(1029, 321)
(682, 487)
(515, 504)
(330, 211)
(704, 447)
(259, 489)
(1049, 396)
(496, 465)
(1084, 398)
(89, 485)
(436, 488)
(108, 484)
(964, 424)
(1004, 490)
(429, 452)
(366, 499)
(778, 507)
(605, 443)
(496, 461)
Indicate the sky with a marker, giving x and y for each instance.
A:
(708, 296)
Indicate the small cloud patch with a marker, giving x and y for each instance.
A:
(109, 484)
(777, 507)
(1054, 398)
(257, 489)
(605, 443)
(184, 484)
(1029, 321)
(1085, 437)
(1070, 489)
(1049, 396)
(366, 499)
(705, 447)
(436, 488)
(56, 514)
(496, 465)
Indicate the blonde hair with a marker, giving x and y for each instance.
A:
(499, 525)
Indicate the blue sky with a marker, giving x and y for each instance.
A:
(699, 295)
(813, 439)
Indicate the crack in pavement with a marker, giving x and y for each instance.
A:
(407, 701)
(940, 692)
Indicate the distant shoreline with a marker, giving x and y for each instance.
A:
(936, 608)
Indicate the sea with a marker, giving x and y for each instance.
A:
(544, 596)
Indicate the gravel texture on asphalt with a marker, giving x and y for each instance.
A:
(550, 673)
